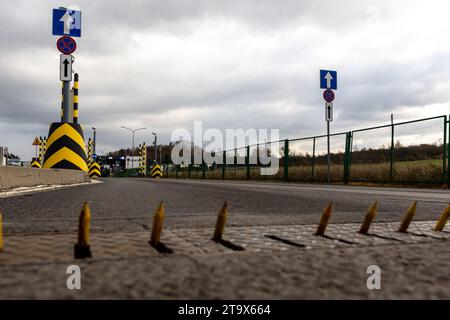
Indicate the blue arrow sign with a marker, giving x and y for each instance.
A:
(66, 22)
(328, 79)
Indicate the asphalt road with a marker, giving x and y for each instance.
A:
(119, 203)
(40, 232)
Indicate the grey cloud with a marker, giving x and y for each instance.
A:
(237, 64)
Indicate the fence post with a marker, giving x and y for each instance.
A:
(391, 162)
(350, 152)
(346, 157)
(189, 170)
(444, 153)
(235, 162)
(176, 171)
(448, 154)
(286, 161)
(313, 158)
(224, 163)
(247, 162)
(204, 170)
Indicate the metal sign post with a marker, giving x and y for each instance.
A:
(328, 81)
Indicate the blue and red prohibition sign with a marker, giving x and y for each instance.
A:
(66, 45)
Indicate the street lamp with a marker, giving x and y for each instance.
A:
(156, 150)
(132, 149)
(95, 139)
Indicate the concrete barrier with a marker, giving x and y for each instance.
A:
(14, 177)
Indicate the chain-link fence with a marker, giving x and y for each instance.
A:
(407, 152)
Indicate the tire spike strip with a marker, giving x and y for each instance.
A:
(82, 249)
(220, 223)
(408, 217)
(370, 216)
(326, 215)
(440, 224)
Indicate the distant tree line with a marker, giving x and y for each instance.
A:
(373, 155)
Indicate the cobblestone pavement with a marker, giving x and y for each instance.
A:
(124, 265)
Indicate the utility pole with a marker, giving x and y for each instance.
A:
(155, 145)
(132, 147)
(95, 139)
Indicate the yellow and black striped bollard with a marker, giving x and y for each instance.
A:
(65, 147)
(156, 171)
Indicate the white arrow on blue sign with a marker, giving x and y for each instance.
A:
(66, 22)
(328, 79)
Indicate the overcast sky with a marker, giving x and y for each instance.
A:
(232, 64)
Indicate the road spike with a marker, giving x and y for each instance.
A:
(409, 215)
(370, 216)
(220, 224)
(326, 215)
(440, 224)
(1, 233)
(82, 249)
(158, 220)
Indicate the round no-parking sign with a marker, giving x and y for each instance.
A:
(328, 95)
(66, 45)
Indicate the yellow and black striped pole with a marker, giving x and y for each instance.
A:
(44, 148)
(89, 152)
(62, 101)
(40, 155)
(144, 159)
(139, 160)
(75, 99)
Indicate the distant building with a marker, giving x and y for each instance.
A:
(3, 156)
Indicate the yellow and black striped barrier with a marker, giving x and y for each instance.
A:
(156, 171)
(94, 170)
(65, 147)
(35, 163)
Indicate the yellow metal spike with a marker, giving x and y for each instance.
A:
(409, 215)
(326, 215)
(220, 223)
(440, 224)
(84, 225)
(82, 249)
(370, 216)
(158, 220)
(1, 232)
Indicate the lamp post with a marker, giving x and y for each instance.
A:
(95, 139)
(132, 148)
(155, 144)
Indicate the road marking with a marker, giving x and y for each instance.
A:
(25, 190)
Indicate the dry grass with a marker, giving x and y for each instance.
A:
(406, 171)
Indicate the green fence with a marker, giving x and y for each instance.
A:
(408, 152)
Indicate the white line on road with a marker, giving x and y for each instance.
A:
(25, 190)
